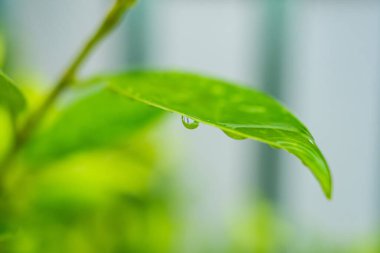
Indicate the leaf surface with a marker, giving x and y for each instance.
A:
(10, 96)
(239, 111)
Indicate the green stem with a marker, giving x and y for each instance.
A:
(111, 20)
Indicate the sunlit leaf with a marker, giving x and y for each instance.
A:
(238, 111)
(93, 177)
(93, 122)
(10, 96)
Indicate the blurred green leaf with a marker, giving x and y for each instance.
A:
(92, 179)
(93, 122)
(240, 112)
(2, 51)
(107, 200)
(10, 96)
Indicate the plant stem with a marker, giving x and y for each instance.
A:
(111, 20)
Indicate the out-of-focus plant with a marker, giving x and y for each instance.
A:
(264, 230)
(2, 51)
(70, 173)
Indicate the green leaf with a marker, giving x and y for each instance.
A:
(10, 96)
(239, 111)
(96, 121)
(2, 51)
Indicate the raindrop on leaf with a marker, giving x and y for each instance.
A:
(189, 123)
(234, 136)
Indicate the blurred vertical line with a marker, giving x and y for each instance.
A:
(377, 162)
(4, 50)
(9, 48)
(137, 54)
(2, 13)
(273, 47)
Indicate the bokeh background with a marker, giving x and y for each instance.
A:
(320, 58)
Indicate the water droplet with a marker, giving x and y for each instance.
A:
(189, 123)
(234, 136)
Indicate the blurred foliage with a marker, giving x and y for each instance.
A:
(92, 122)
(106, 200)
(264, 230)
(91, 180)
(94, 190)
(118, 198)
(261, 231)
(10, 96)
(6, 128)
(2, 51)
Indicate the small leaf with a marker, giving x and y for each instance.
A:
(239, 111)
(10, 96)
(93, 122)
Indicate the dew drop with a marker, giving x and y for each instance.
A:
(234, 136)
(189, 123)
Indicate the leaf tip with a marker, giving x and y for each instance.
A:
(328, 187)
